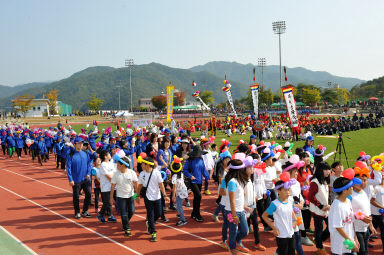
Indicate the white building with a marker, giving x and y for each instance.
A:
(39, 108)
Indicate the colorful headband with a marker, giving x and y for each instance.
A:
(322, 148)
(117, 158)
(236, 167)
(270, 154)
(286, 185)
(248, 161)
(141, 160)
(362, 171)
(298, 165)
(354, 181)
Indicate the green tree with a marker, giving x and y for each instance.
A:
(22, 104)
(160, 102)
(311, 96)
(52, 96)
(95, 103)
(343, 95)
(207, 97)
(266, 97)
(329, 96)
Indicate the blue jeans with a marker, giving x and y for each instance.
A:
(299, 248)
(237, 232)
(220, 208)
(127, 209)
(224, 229)
(179, 207)
(206, 181)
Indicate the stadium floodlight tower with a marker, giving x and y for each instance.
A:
(129, 64)
(279, 28)
(262, 62)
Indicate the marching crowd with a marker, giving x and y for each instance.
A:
(287, 191)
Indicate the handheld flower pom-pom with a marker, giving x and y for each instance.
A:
(230, 218)
(299, 221)
(296, 210)
(305, 188)
(359, 215)
(135, 196)
(348, 244)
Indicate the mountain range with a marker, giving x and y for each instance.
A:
(151, 79)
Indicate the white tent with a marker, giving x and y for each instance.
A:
(123, 114)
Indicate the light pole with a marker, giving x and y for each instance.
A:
(118, 85)
(129, 64)
(262, 62)
(279, 28)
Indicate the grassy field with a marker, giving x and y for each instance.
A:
(368, 140)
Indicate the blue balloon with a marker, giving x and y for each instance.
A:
(164, 175)
(268, 193)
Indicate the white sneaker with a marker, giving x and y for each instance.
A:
(306, 241)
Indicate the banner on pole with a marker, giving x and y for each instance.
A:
(229, 97)
(255, 98)
(291, 105)
(142, 123)
(205, 106)
(170, 92)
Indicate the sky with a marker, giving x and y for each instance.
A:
(46, 40)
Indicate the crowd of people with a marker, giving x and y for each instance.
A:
(287, 191)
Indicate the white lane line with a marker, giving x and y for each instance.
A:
(177, 229)
(74, 222)
(18, 241)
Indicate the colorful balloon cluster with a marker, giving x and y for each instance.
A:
(227, 86)
(230, 217)
(196, 94)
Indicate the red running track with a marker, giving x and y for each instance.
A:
(37, 209)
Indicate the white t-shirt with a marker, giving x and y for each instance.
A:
(340, 216)
(181, 189)
(269, 176)
(153, 189)
(234, 186)
(378, 195)
(360, 202)
(282, 215)
(124, 183)
(208, 160)
(106, 168)
(250, 195)
(260, 189)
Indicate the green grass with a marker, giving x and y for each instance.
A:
(368, 140)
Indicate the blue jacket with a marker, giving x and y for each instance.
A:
(41, 146)
(174, 148)
(198, 170)
(78, 166)
(11, 141)
(162, 153)
(58, 148)
(309, 149)
(48, 142)
(19, 142)
(92, 141)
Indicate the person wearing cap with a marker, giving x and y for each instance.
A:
(309, 145)
(151, 179)
(79, 171)
(92, 139)
(125, 180)
(194, 170)
(41, 150)
(19, 143)
(58, 150)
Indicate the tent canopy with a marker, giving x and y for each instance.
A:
(123, 114)
(373, 98)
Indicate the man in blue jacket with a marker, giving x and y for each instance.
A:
(79, 172)
(194, 170)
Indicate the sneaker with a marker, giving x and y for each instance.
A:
(215, 218)
(267, 229)
(77, 216)
(86, 214)
(322, 252)
(199, 219)
(154, 237)
(181, 223)
(233, 252)
(188, 204)
(309, 231)
(178, 215)
(207, 192)
(224, 245)
(127, 232)
(100, 218)
(260, 247)
(306, 241)
(147, 225)
(173, 208)
(240, 247)
(165, 220)
(112, 219)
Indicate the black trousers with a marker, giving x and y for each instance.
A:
(86, 186)
(153, 213)
(127, 209)
(4, 148)
(196, 189)
(306, 218)
(260, 210)
(255, 225)
(320, 234)
(363, 241)
(286, 246)
(25, 149)
(97, 192)
(378, 222)
(18, 151)
(107, 206)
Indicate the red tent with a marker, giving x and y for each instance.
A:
(373, 98)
